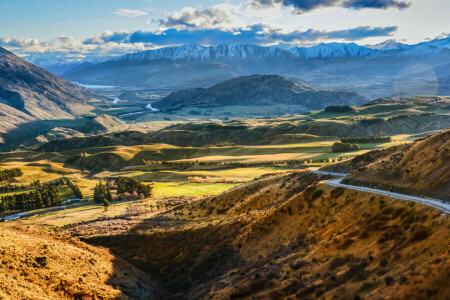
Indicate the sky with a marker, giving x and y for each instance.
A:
(91, 28)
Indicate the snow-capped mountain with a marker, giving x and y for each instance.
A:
(44, 59)
(222, 52)
(254, 53)
(49, 62)
(438, 43)
(333, 50)
(389, 45)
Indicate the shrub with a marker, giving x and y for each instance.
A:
(388, 280)
(316, 194)
(420, 233)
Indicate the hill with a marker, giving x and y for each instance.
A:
(250, 133)
(421, 168)
(285, 236)
(16, 125)
(259, 90)
(38, 264)
(104, 123)
(39, 93)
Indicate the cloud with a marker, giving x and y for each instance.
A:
(217, 16)
(302, 6)
(257, 34)
(380, 4)
(131, 13)
(67, 47)
(108, 36)
(112, 43)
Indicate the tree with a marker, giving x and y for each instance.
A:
(108, 194)
(106, 203)
(99, 192)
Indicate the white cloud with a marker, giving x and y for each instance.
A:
(72, 48)
(131, 13)
(222, 16)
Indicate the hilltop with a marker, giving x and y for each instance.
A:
(259, 90)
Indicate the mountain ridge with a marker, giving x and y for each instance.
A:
(38, 92)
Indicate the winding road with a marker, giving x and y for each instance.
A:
(437, 204)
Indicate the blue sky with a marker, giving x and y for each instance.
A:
(74, 29)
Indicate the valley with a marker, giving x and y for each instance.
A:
(227, 171)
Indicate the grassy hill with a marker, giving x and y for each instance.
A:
(422, 168)
(38, 264)
(287, 236)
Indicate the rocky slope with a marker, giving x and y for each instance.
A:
(259, 90)
(39, 93)
(421, 168)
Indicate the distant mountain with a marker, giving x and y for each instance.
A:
(221, 53)
(259, 90)
(371, 70)
(50, 63)
(39, 93)
(333, 50)
(438, 43)
(389, 45)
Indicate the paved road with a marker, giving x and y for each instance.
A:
(438, 204)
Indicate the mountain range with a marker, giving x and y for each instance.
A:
(372, 70)
(243, 52)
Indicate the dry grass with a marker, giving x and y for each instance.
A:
(279, 237)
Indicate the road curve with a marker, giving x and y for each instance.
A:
(437, 204)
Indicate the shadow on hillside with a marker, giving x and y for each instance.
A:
(178, 258)
(30, 130)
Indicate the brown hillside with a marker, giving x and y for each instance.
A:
(285, 237)
(421, 168)
(36, 264)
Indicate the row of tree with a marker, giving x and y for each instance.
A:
(17, 187)
(367, 139)
(41, 197)
(344, 147)
(10, 173)
(338, 109)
